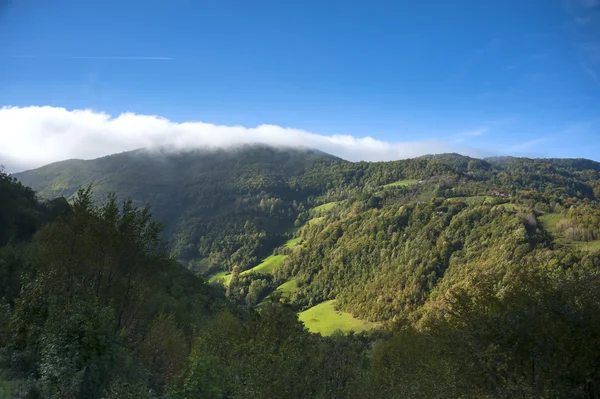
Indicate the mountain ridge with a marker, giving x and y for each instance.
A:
(484, 268)
(267, 189)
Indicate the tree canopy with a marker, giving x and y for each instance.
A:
(483, 277)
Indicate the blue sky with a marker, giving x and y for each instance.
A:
(517, 77)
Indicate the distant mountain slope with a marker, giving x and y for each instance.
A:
(215, 204)
(571, 165)
(232, 207)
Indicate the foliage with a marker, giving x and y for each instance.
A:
(269, 356)
(20, 212)
(473, 277)
(87, 314)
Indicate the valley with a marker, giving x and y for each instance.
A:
(300, 199)
(277, 199)
(260, 261)
(322, 318)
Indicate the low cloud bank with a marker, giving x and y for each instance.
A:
(35, 136)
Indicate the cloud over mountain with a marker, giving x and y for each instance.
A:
(34, 136)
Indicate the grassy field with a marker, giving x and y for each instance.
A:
(220, 277)
(284, 289)
(402, 183)
(549, 221)
(324, 319)
(325, 207)
(587, 246)
(288, 287)
(294, 242)
(267, 265)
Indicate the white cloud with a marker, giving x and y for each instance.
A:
(34, 136)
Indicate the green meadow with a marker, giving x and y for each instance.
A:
(220, 277)
(294, 242)
(508, 205)
(267, 265)
(402, 183)
(5, 389)
(325, 320)
(288, 287)
(549, 221)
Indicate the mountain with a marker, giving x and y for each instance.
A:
(223, 207)
(247, 189)
(466, 277)
(231, 207)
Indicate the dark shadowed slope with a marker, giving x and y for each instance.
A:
(206, 199)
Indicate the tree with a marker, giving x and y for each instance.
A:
(235, 278)
(256, 291)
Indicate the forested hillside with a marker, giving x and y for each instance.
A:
(223, 208)
(219, 208)
(470, 277)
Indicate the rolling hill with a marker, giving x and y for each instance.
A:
(251, 191)
(481, 274)
(232, 208)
